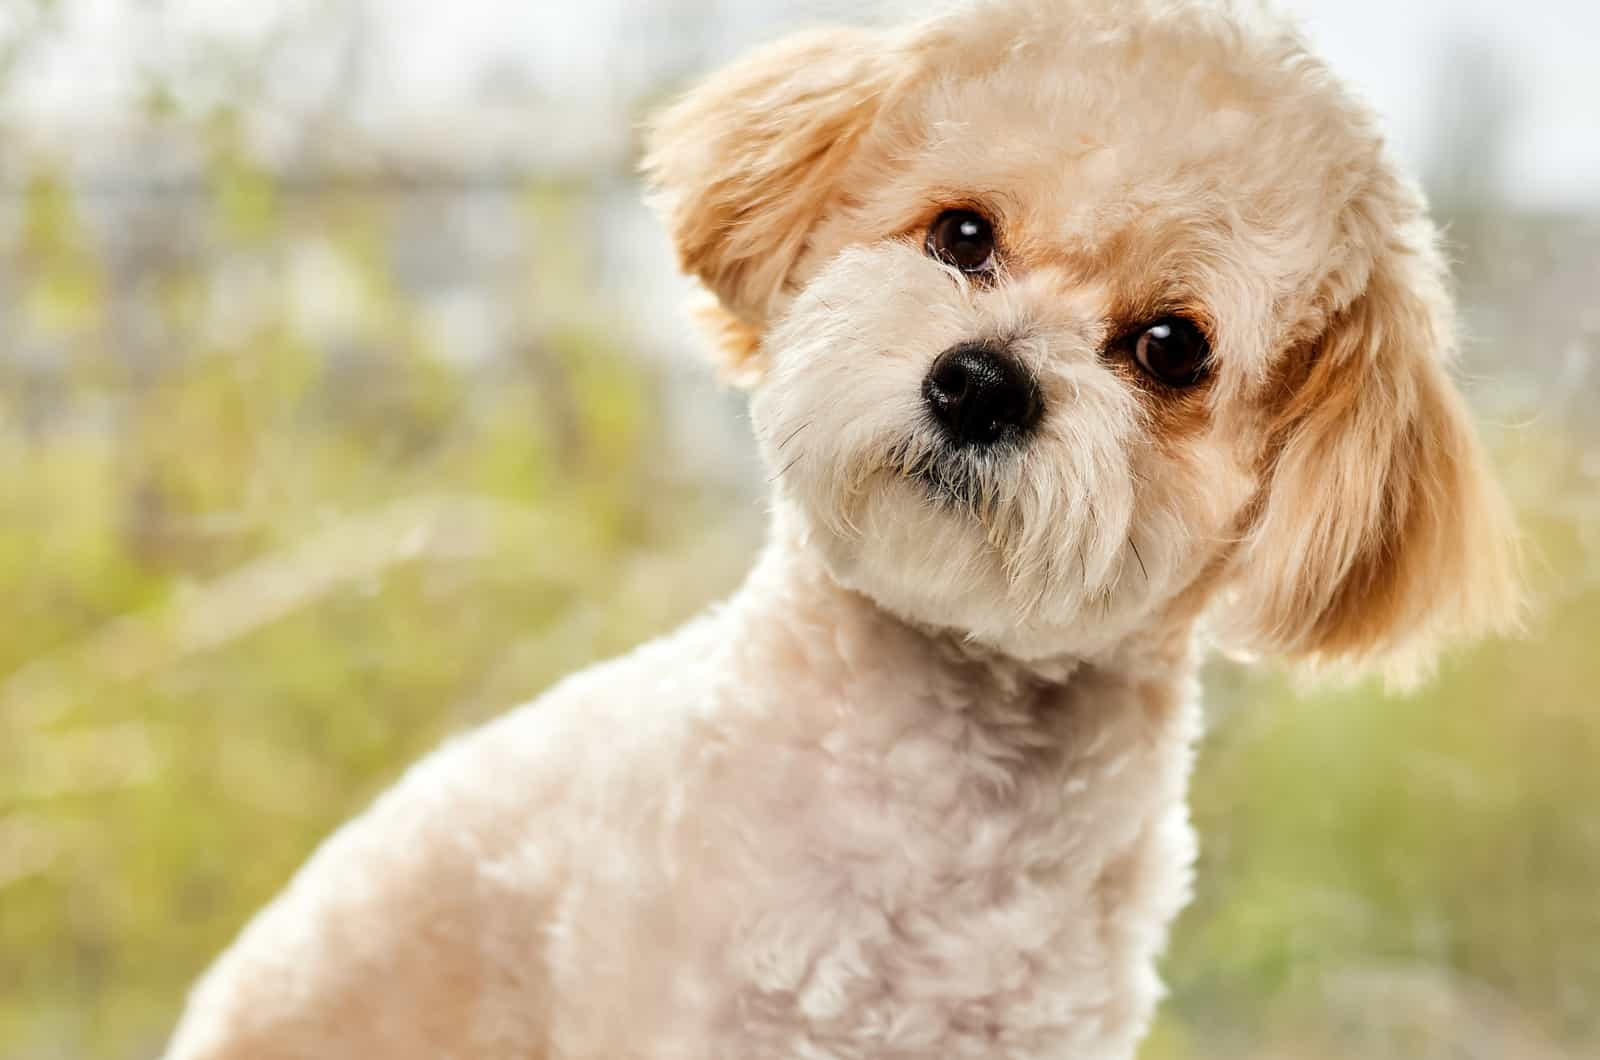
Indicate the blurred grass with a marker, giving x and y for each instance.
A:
(1411, 877)
(250, 578)
(257, 557)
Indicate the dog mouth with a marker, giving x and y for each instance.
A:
(947, 478)
(953, 486)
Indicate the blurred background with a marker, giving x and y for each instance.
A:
(346, 400)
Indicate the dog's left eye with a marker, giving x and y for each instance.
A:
(1173, 351)
(964, 239)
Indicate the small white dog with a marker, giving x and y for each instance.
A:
(1068, 324)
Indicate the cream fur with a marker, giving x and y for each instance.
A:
(917, 790)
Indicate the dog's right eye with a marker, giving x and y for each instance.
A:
(963, 239)
(1171, 350)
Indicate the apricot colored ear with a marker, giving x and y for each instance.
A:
(1380, 531)
(748, 160)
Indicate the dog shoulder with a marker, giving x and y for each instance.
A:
(420, 928)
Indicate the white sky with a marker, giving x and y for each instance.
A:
(431, 57)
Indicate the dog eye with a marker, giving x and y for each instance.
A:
(964, 239)
(1172, 351)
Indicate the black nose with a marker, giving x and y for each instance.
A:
(980, 394)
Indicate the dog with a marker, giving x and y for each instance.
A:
(1072, 329)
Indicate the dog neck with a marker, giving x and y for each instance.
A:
(850, 667)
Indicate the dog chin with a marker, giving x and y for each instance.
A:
(915, 547)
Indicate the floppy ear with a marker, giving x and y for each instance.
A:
(1379, 531)
(748, 160)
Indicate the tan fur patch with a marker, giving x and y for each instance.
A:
(746, 163)
(1379, 530)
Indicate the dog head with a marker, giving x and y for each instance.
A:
(1063, 320)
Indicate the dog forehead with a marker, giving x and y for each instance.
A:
(1091, 135)
(1188, 171)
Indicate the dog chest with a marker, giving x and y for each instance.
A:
(906, 905)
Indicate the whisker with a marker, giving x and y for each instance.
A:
(793, 435)
(785, 468)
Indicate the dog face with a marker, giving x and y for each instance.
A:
(1064, 321)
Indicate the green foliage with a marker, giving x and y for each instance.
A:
(1409, 877)
(251, 579)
